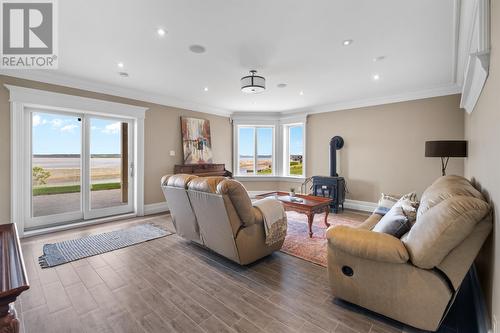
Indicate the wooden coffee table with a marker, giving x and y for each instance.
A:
(309, 205)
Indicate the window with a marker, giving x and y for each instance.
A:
(255, 150)
(294, 158)
(271, 147)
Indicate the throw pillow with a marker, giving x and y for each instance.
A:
(385, 204)
(387, 201)
(394, 223)
(409, 208)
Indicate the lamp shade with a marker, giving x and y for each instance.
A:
(253, 84)
(456, 148)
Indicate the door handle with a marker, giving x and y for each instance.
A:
(132, 170)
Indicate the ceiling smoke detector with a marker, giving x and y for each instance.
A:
(253, 84)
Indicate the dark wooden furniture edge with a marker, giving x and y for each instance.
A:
(13, 274)
(203, 170)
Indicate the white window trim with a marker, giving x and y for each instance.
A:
(21, 98)
(279, 121)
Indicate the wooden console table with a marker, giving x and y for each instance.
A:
(203, 170)
(13, 275)
(309, 205)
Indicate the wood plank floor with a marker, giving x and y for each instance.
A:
(171, 285)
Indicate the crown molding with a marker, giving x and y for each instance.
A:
(450, 89)
(52, 77)
(43, 98)
(77, 83)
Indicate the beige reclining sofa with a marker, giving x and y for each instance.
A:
(217, 213)
(413, 279)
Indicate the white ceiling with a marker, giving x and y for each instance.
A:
(296, 42)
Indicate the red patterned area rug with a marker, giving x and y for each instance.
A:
(297, 242)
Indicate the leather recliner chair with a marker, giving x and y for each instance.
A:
(217, 213)
(414, 279)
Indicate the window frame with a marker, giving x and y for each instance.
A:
(286, 149)
(256, 152)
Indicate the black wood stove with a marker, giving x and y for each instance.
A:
(333, 186)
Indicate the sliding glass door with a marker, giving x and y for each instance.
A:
(81, 167)
(110, 167)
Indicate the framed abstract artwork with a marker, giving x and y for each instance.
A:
(196, 140)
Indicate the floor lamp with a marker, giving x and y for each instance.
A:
(445, 150)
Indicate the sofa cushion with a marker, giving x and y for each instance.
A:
(394, 223)
(205, 184)
(446, 187)
(240, 199)
(449, 210)
(235, 191)
(178, 180)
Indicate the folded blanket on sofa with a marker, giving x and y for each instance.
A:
(275, 222)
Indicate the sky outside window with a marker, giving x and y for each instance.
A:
(296, 140)
(60, 134)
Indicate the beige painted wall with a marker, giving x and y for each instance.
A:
(384, 146)
(482, 128)
(162, 134)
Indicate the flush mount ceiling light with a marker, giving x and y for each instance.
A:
(197, 48)
(376, 77)
(301, 93)
(161, 32)
(120, 64)
(205, 89)
(379, 58)
(253, 84)
(347, 42)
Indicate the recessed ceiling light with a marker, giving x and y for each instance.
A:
(205, 89)
(376, 77)
(347, 42)
(281, 85)
(123, 74)
(197, 48)
(379, 58)
(301, 93)
(161, 32)
(120, 64)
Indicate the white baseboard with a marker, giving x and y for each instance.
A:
(364, 206)
(159, 207)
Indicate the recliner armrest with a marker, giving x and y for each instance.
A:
(367, 244)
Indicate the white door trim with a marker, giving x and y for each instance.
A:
(21, 98)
